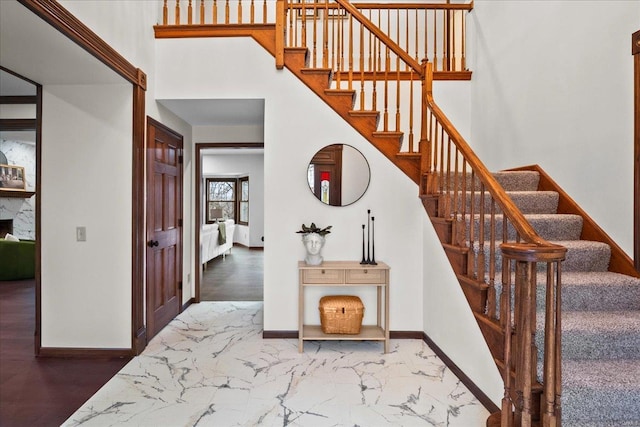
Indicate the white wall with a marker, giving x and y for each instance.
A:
(239, 165)
(86, 181)
(292, 135)
(553, 85)
(128, 27)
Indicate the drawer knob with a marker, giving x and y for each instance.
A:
(322, 271)
(366, 271)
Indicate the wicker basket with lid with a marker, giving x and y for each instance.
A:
(341, 314)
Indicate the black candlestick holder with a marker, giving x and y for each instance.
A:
(364, 261)
(371, 244)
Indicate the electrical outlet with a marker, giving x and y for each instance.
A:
(81, 234)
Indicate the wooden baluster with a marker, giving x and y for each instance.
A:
(552, 341)
(190, 13)
(214, 12)
(338, 24)
(481, 256)
(291, 13)
(252, 12)
(264, 11)
(448, 163)
(445, 41)
(416, 36)
(226, 12)
(239, 11)
(411, 150)
(454, 195)
(303, 28)
(379, 45)
(165, 13)
(463, 198)
(525, 324)
(435, 42)
(334, 52)
(426, 37)
(406, 25)
(463, 59)
(374, 95)
(315, 35)
(201, 12)
(473, 256)
(341, 39)
(350, 41)
(452, 67)
(398, 74)
(505, 320)
(397, 93)
(362, 67)
(441, 144)
(177, 12)
(558, 353)
(386, 90)
(491, 291)
(325, 36)
(370, 62)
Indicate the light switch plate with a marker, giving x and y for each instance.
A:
(81, 234)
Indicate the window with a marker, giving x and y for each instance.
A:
(228, 198)
(243, 210)
(221, 199)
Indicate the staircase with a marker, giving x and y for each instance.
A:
(600, 313)
(519, 221)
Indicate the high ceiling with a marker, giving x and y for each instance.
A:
(35, 50)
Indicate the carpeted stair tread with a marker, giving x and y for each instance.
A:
(599, 291)
(518, 180)
(597, 335)
(509, 180)
(582, 255)
(548, 226)
(535, 202)
(602, 393)
(585, 255)
(529, 202)
(589, 291)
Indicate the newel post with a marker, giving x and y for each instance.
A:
(280, 33)
(520, 353)
(428, 184)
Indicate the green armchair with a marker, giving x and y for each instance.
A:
(17, 259)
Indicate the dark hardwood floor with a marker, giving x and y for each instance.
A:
(40, 391)
(237, 277)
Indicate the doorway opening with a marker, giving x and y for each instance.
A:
(229, 214)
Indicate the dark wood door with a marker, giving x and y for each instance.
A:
(164, 226)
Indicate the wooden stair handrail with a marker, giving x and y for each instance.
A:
(393, 46)
(515, 215)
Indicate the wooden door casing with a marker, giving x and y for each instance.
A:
(164, 226)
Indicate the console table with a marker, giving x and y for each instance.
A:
(345, 274)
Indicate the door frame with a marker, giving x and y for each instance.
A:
(71, 27)
(199, 193)
(635, 50)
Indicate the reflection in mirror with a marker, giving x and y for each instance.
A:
(338, 175)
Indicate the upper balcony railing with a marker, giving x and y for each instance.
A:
(432, 31)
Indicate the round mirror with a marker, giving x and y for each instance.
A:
(338, 175)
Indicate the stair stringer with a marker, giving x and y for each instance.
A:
(342, 101)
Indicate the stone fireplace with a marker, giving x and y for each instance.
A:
(6, 226)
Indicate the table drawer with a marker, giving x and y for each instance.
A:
(322, 275)
(365, 276)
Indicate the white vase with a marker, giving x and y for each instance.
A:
(313, 243)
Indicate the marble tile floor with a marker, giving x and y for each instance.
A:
(211, 367)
